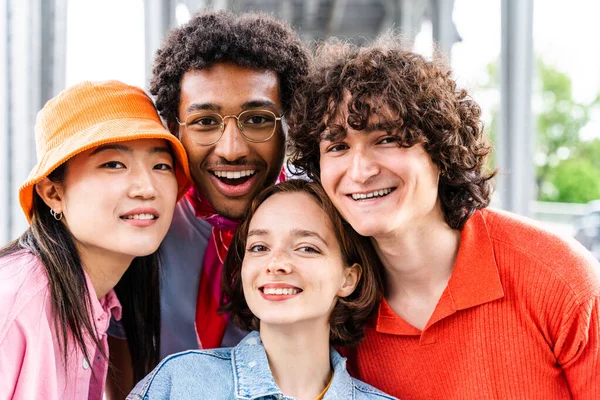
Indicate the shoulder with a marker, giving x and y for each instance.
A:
(185, 222)
(194, 359)
(518, 239)
(365, 391)
(23, 290)
(345, 386)
(187, 236)
(192, 371)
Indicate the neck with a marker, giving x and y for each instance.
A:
(104, 269)
(298, 372)
(419, 261)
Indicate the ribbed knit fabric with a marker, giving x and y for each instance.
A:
(519, 319)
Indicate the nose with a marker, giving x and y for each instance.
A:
(363, 166)
(142, 184)
(232, 146)
(278, 264)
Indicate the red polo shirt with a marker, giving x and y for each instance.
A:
(519, 319)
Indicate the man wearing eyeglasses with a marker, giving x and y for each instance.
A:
(223, 84)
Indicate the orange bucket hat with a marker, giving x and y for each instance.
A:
(91, 114)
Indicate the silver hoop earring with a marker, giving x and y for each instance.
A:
(57, 216)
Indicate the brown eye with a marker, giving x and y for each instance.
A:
(257, 248)
(309, 249)
(204, 121)
(113, 165)
(163, 167)
(337, 148)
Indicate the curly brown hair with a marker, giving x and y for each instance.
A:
(418, 100)
(249, 40)
(351, 314)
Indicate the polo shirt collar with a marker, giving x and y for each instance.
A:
(475, 279)
(105, 308)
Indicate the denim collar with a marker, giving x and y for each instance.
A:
(253, 378)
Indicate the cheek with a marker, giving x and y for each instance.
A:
(90, 213)
(272, 152)
(196, 154)
(327, 174)
(169, 188)
(88, 197)
(247, 274)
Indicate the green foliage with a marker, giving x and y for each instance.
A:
(590, 151)
(558, 121)
(568, 170)
(574, 181)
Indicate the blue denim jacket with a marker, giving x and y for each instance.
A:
(241, 372)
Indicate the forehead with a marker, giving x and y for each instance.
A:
(228, 86)
(290, 210)
(377, 116)
(133, 147)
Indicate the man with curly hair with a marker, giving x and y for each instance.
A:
(223, 84)
(478, 303)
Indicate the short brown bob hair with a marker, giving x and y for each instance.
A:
(351, 314)
(417, 99)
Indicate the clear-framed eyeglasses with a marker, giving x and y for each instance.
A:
(206, 127)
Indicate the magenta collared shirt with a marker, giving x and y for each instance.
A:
(31, 364)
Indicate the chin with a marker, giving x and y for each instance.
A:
(370, 228)
(231, 213)
(141, 249)
(276, 318)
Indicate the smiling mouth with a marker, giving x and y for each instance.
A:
(376, 194)
(280, 291)
(234, 178)
(140, 216)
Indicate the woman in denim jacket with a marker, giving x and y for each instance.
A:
(302, 280)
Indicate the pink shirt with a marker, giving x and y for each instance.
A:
(31, 363)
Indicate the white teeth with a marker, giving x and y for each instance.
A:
(376, 193)
(287, 291)
(140, 216)
(234, 174)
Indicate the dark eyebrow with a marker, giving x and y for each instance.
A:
(258, 232)
(258, 104)
(111, 146)
(246, 106)
(385, 126)
(306, 232)
(202, 107)
(337, 132)
(161, 149)
(295, 232)
(333, 133)
(120, 147)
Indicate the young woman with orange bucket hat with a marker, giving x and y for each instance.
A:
(99, 202)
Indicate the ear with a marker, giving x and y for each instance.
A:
(351, 278)
(51, 193)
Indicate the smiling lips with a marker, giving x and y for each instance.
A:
(234, 183)
(278, 291)
(234, 175)
(141, 217)
(375, 194)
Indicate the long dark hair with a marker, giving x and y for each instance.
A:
(138, 289)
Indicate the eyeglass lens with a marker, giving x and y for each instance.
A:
(207, 127)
